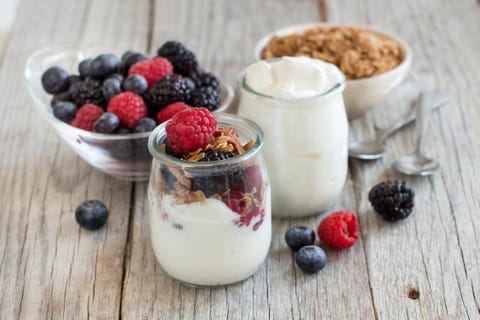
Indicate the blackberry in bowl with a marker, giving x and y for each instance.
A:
(73, 87)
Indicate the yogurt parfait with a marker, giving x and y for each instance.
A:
(298, 103)
(209, 198)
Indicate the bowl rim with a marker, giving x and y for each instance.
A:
(83, 50)
(302, 27)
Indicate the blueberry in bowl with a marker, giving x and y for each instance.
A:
(99, 100)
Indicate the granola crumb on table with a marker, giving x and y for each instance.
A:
(359, 53)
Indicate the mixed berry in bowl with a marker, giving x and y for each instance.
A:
(105, 104)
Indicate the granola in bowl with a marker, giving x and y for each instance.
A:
(374, 62)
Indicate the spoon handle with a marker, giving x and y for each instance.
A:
(422, 108)
(437, 100)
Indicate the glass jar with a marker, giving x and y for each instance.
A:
(306, 147)
(210, 222)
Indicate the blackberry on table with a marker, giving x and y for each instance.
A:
(167, 90)
(205, 97)
(182, 59)
(392, 200)
(88, 91)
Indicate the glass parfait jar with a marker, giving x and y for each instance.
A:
(306, 145)
(210, 222)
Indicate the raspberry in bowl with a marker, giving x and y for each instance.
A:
(104, 101)
(209, 198)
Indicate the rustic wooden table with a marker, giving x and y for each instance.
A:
(51, 268)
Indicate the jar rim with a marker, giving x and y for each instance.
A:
(228, 119)
(337, 87)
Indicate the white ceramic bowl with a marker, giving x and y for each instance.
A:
(123, 156)
(360, 94)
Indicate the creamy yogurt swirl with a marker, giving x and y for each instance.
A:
(292, 77)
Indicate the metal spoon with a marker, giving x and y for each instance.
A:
(375, 148)
(417, 163)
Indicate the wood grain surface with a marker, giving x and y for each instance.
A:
(425, 267)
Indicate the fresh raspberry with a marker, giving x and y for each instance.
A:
(129, 108)
(190, 130)
(152, 69)
(339, 230)
(86, 116)
(169, 111)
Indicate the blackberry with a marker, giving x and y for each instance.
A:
(88, 91)
(212, 155)
(167, 90)
(205, 97)
(182, 59)
(392, 200)
(202, 78)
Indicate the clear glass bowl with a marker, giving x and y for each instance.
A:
(123, 156)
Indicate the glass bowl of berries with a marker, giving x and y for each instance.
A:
(105, 102)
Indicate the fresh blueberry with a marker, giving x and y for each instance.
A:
(299, 236)
(91, 214)
(110, 88)
(116, 76)
(129, 58)
(311, 259)
(135, 83)
(84, 68)
(65, 111)
(107, 123)
(55, 80)
(145, 125)
(121, 149)
(62, 96)
(104, 65)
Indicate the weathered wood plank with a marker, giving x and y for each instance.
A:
(436, 250)
(50, 268)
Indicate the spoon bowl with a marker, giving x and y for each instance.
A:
(416, 164)
(366, 150)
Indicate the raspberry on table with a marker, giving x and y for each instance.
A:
(152, 69)
(392, 200)
(129, 107)
(172, 109)
(86, 116)
(190, 130)
(339, 230)
(182, 59)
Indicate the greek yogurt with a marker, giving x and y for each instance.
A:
(202, 243)
(299, 105)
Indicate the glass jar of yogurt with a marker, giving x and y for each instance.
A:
(299, 105)
(210, 222)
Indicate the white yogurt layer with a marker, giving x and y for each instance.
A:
(292, 78)
(199, 243)
(305, 138)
